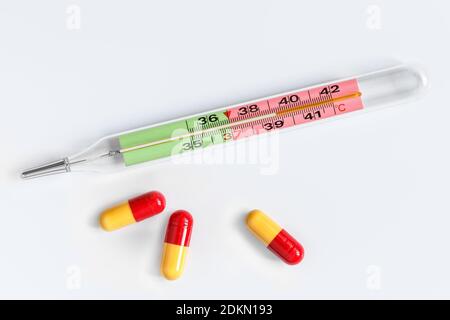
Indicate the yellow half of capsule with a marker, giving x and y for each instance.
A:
(173, 260)
(117, 217)
(262, 226)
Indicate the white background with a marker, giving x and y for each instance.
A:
(367, 196)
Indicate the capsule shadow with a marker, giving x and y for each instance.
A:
(155, 254)
(94, 221)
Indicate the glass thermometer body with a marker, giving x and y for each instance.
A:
(278, 112)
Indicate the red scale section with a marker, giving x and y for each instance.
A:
(302, 97)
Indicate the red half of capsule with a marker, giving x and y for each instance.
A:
(179, 228)
(287, 248)
(147, 205)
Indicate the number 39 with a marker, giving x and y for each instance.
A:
(275, 125)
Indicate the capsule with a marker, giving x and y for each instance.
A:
(278, 240)
(132, 211)
(176, 243)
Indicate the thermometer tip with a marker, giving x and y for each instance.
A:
(50, 168)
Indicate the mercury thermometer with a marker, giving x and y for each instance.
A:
(291, 109)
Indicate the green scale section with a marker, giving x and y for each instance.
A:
(174, 129)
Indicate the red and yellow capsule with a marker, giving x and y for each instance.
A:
(132, 211)
(274, 237)
(176, 243)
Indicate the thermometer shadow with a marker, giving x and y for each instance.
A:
(246, 233)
